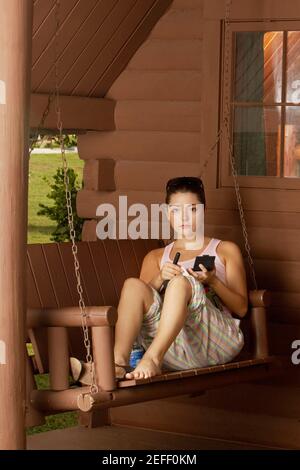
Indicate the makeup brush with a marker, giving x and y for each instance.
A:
(165, 283)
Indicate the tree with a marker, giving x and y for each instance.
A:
(58, 211)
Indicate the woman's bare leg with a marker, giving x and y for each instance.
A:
(136, 298)
(173, 316)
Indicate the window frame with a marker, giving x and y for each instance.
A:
(245, 181)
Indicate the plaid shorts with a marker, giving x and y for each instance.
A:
(209, 336)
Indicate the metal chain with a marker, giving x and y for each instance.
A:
(225, 130)
(210, 152)
(51, 97)
(87, 342)
(226, 127)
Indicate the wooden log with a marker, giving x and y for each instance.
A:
(89, 233)
(103, 354)
(58, 358)
(98, 175)
(259, 298)
(258, 320)
(78, 113)
(64, 400)
(168, 388)
(81, 398)
(159, 146)
(15, 67)
(181, 116)
(33, 416)
(224, 199)
(157, 85)
(228, 221)
(71, 316)
(163, 54)
(88, 201)
(130, 175)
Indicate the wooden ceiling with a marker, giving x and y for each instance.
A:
(97, 38)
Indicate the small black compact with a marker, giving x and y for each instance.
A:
(207, 261)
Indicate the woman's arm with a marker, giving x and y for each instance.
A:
(150, 271)
(235, 294)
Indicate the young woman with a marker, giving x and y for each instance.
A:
(190, 324)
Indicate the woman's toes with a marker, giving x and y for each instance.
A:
(129, 375)
(146, 369)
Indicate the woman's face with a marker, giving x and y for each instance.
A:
(186, 215)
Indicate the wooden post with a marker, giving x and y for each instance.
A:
(15, 71)
(103, 355)
(58, 358)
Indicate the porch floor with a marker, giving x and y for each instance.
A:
(128, 438)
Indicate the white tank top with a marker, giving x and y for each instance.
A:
(209, 250)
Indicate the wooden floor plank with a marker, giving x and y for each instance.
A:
(125, 437)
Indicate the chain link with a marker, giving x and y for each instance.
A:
(226, 127)
(33, 141)
(225, 131)
(81, 302)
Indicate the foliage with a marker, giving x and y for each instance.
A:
(40, 165)
(52, 141)
(58, 211)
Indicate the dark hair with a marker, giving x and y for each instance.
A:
(184, 184)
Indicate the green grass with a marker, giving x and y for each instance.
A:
(58, 421)
(40, 227)
(39, 231)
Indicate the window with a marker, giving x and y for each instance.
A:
(265, 105)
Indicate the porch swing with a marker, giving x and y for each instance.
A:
(53, 285)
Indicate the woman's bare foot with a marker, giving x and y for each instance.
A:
(147, 367)
(121, 370)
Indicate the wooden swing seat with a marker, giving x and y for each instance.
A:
(54, 330)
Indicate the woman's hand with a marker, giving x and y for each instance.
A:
(170, 270)
(204, 276)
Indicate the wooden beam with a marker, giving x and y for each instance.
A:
(99, 175)
(275, 202)
(155, 146)
(153, 388)
(15, 67)
(78, 113)
(71, 316)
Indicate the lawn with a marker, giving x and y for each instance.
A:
(39, 231)
(40, 227)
